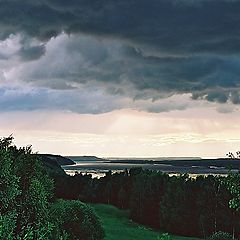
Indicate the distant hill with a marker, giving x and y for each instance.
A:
(60, 160)
(52, 164)
(85, 158)
(218, 162)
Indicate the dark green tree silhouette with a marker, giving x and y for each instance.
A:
(25, 191)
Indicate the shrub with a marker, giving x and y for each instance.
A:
(77, 220)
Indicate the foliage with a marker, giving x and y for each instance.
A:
(7, 223)
(220, 236)
(233, 155)
(233, 184)
(25, 190)
(25, 196)
(179, 205)
(164, 236)
(147, 189)
(76, 220)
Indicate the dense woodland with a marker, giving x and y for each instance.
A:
(39, 201)
(179, 204)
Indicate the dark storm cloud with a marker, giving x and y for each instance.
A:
(138, 49)
(177, 27)
(122, 70)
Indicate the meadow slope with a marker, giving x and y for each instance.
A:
(118, 226)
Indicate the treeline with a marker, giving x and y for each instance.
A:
(32, 206)
(29, 209)
(179, 204)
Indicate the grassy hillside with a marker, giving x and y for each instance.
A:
(117, 225)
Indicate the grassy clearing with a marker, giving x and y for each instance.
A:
(118, 227)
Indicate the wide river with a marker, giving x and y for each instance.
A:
(193, 167)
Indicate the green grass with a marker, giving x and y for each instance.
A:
(118, 226)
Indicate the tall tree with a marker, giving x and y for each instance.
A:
(25, 191)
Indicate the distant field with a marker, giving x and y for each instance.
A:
(118, 227)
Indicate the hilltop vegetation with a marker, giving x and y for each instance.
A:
(28, 208)
(179, 204)
(32, 190)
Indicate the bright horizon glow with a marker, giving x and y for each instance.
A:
(126, 133)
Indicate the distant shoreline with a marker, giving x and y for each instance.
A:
(221, 166)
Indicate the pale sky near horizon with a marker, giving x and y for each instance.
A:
(121, 78)
(126, 133)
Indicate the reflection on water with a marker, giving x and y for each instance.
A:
(95, 174)
(92, 173)
(99, 168)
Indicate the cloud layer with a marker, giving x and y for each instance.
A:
(97, 56)
(174, 26)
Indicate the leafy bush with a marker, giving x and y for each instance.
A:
(76, 220)
(220, 236)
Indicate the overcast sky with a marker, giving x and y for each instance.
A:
(121, 78)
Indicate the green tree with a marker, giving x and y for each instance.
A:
(233, 184)
(25, 190)
(122, 197)
(9, 191)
